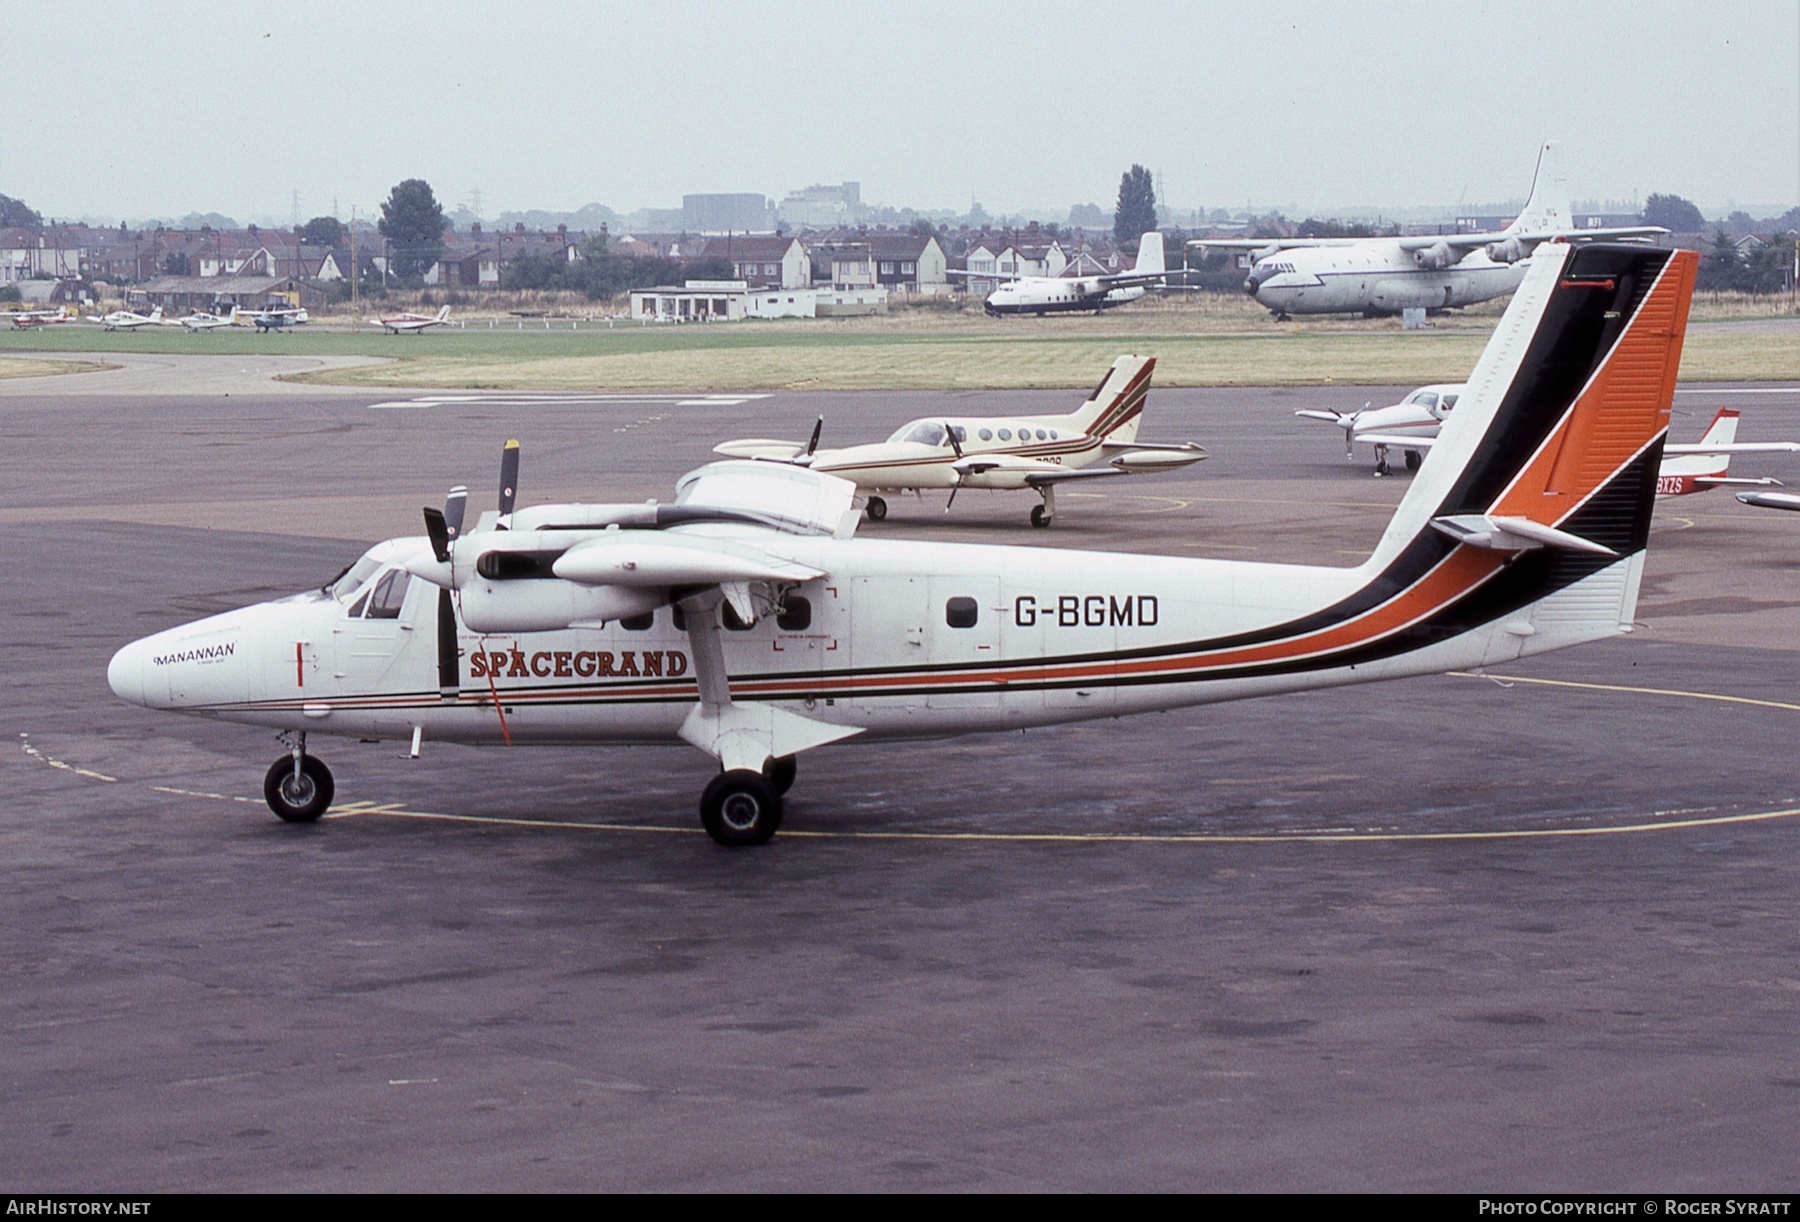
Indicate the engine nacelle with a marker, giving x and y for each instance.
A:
(549, 604)
(1509, 251)
(1264, 252)
(1436, 257)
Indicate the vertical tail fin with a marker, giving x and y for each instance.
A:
(1548, 208)
(1723, 430)
(1150, 253)
(443, 315)
(1113, 410)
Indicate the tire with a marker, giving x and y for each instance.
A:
(302, 799)
(740, 808)
(1039, 518)
(781, 773)
(876, 509)
(1413, 458)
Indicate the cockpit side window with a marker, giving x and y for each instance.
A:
(1448, 402)
(390, 594)
(352, 578)
(1426, 400)
(928, 433)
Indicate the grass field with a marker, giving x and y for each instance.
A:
(1216, 343)
(37, 367)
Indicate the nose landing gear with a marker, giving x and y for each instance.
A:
(298, 786)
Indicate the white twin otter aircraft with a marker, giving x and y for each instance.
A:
(747, 620)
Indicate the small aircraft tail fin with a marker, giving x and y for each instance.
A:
(1548, 208)
(1534, 512)
(1150, 253)
(443, 315)
(156, 314)
(1723, 429)
(1112, 412)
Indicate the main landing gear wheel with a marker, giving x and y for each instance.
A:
(781, 773)
(1039, 518)
(1412, 460)
(740, 808)
(876, 509)
(302, 796)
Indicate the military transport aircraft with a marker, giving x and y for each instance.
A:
(396, 323)
(129, 320)
(1075, 294)
(1097, 439)
(747, 620)
(200, 320)
(1433, 272)
(1411, 426)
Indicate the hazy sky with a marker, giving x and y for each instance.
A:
(147, 110)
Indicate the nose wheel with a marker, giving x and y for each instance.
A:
(298, 787)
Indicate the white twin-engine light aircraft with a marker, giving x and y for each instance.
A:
(1412, 425)
(1433, 272)
(747, 620)
(396, 323)
(1097, 439)
(1073, 294)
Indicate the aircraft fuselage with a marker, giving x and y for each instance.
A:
(1374, 277)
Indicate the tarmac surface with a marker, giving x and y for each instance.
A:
(1529, 932)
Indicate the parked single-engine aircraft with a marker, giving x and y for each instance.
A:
(747, 620)
(128, 320)
(1071, 294)
(1433, 272)
(1411, 426)
(278, 318)
(1099, 438)
(396, 323)
(200, 320)
(38, 318)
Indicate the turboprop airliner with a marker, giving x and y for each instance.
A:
(1097, 439)
(1435, 272)
(747, 620)
(1075, 294)
(1412, 425)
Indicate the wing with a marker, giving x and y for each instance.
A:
(986, 275)
(1735, 447)
(1770, 500)
(1270, 244)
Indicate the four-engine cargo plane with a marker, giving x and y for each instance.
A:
(1432, 272)
(747, 620)
(1097, 439)
(1411, 426)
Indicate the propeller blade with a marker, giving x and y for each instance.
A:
(818, 427)
(454, 505)
(509, 482)
(449, 660)
(439, 532)
(954, 443)
(954, 489)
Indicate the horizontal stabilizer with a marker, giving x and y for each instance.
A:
(1735, 447)
(1137, 460)
(1719, 481)
(1771, 500)
(760, 447)
(1511, 534)
(1326, 414)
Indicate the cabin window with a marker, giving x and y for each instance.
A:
(962, 434)
(796, 614)
(986, 434)
(961, 613)
(389, 594)
(638, 623)
(1005, 434)
(729, 614)
(1052, 434)
(1042, 435)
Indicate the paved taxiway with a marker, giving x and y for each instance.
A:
(1250, 946)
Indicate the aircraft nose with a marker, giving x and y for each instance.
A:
(125, 673)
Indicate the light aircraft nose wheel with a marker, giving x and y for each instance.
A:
(1039, 518)
(781, 773)
(876, 509)
(1412, 460)
(740, 808)
(298, 795)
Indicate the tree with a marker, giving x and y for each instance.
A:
(413, 223)
(1136, 213)
(322, 231)
(1673, 213)
(14, 212)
